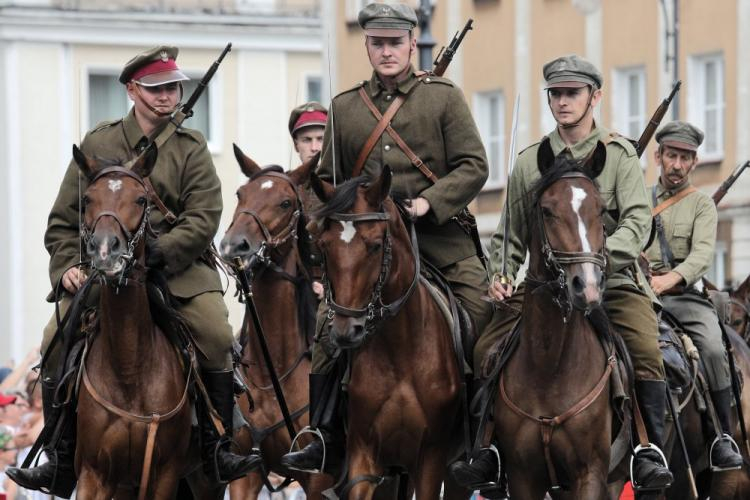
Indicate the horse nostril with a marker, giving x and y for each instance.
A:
(578, 284)
(244, 245)
(114, 243)
(91, 247)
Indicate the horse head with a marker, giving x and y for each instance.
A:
(739, 312)
(570, 241)
(115, 210)
(269, 210)
(357, 230)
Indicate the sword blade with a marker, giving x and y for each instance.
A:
(509, 169)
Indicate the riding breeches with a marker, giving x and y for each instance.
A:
(206, 315)
(468, 281)
(629, 310)
(698, 317)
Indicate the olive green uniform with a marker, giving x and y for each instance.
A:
(185, 179)
(627, 299)
(436, 123)
(690, 231)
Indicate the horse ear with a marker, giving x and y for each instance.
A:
(708, 285)
(86, 164)
(596, 164)
(545, 157)
(323, 190)
(145, 163)
(744, 289)
(248, 166)
(379, 190)
(301, 174)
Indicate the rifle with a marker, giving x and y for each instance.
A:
(653, 123)
(722, 191)
(445, 56)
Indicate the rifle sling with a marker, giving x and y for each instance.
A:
(671, 201)
(384, 126)
(667, 257)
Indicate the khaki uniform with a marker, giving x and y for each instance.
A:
(185, 179)
(436, 123)
(628, 299)
(690, 231)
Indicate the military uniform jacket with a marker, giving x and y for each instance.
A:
(436, 123)
(627, 219)
(690, 230)
(185, 179)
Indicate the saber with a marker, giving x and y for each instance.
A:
(681, 439)
(506, 212)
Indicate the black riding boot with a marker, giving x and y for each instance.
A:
(724, 455)
(483, 472)
(218, 461)
(310, 458)
(57, 476)
(650, 469)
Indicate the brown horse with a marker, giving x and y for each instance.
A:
(404, 387)
(133, 408)
(736, 311)
(268, 233)
(553, 418)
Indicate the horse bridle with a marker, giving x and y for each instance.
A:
(132, 239)
(375, 310)
(555, 260)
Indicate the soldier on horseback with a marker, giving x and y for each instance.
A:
(574, 89)
(686, 221)
(186, 186)
(438, 163)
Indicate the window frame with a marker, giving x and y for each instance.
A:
(479, 100)
(697, 106)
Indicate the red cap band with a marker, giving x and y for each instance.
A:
(155, 67)
(311, 118)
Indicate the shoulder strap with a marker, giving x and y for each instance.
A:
(375, 136)
(168, 214)
(671, 201)
(667, 257)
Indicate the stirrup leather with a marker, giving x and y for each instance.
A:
(316, 432)
(649, 446)
(717, 440)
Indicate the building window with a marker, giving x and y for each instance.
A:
(629, 102)
(717, 273)
(706, 103)
(108, 100)
(313, 88)
(353, 7)
(489, 109)
(547, 121)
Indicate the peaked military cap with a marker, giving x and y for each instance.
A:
(156, 66)
(388, 20)
(571, 72)
(310, 114)
(681, 135)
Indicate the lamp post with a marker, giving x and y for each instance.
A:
(672, 34)
(425, 42)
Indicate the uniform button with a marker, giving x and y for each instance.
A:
(387, 147)
(427, 79)
(388, 97)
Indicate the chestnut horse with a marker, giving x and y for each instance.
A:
(404, 406)
(134, 418)
(268, 234)
(553, 418)
(735, 312)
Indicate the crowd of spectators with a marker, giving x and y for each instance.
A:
(21, 421)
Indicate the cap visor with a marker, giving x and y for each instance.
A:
(680, 145)
(309, 124)
(386, 32)
(163, 78)
(567, 85)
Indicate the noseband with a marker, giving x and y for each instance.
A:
(132, 239)
(556, 260)
(375, 311)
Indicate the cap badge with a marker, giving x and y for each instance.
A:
(164, 56)
(309, 109)
(385, 10)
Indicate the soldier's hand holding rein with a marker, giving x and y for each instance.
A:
(498, 290)
(417, 207)
(661, 283)
(73, 279)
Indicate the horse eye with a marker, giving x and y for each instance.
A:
(141, 201)
(85, 201)
(285, 204)
(547, 213)
(374, 247)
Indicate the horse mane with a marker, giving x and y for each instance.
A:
(343, 197)
(559, 169)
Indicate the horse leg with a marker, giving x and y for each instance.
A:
(315, 484)
(91, 486)
(164, 484)
(246, 488)
(361, 463)
(523, 484)
(429, 476)
(592, 486)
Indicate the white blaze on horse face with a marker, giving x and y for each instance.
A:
(267, 185)
(347, 231)
(576, 200)
(115, 185)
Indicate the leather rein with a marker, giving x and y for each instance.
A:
(375, 310)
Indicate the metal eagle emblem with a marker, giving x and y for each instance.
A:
(164, 56)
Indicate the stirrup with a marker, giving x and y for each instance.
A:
(649, 446)
(316, 432)
(735, 448)
(490, 484)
